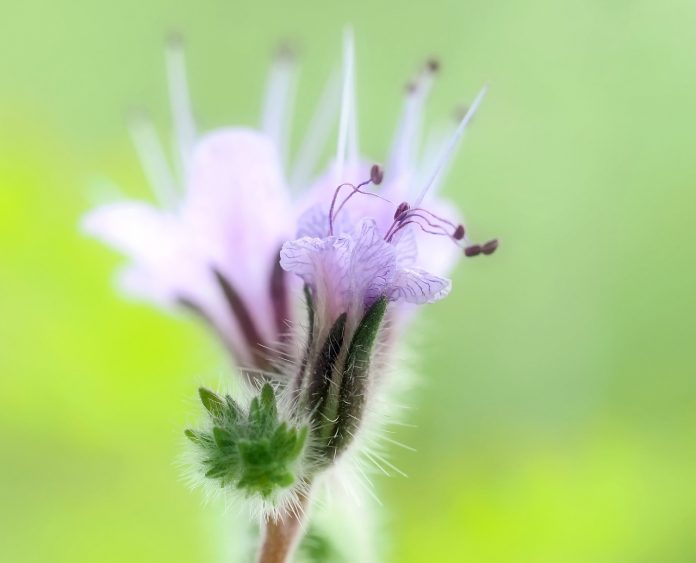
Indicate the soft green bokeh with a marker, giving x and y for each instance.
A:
(556, 416)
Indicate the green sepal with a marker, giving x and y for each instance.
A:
(223, 438)
(319, 389)
(354, 383)
(212, 403)
(198, 438)
(253, 450)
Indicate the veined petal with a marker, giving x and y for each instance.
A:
(323, 264)
(413, 285)
(373, 263)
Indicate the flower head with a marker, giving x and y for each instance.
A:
(233, 238)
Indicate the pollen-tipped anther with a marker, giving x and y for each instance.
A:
(433, 64)
(490, 247)
(459, 232)
(376, 174)
(403, 208)
(473, 250)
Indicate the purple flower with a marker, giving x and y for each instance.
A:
(353, 249)
(212, 244)
(225, 209)
(348, 272)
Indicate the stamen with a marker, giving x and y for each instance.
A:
(452, 145)
(317, 135)
(433, 64)
(403, 208)
(486, 249)
(184, 124)
(489, 247)
(376, 176)
(152, 159)
(473, 250)
(404, 216)
(418, 217)
(406, 137)
(347, 125)
(421, 227)
(279, 98)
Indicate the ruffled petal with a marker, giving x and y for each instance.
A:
(324, 265)
(418, 286)
(373, 263)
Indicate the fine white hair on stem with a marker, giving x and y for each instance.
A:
(281, 87)
(451, 146)
(318, 132)
(407, 133)
(182, 114)
(153, 159)
(347, 131)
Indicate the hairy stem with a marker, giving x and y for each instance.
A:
(281, 536)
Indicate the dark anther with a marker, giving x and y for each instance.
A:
(376, 174)
(459, 232)
(433, 65)
(473, 250)
(175, 40)
(285, 52)
(459, 112)
(489, 247)
(403, 208)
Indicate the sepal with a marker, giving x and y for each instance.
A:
(251, 450)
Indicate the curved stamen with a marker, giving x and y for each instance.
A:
(408, 130)
(406, 216)
(281, 87)
(184, 123)
(376, 175)
(451, 145)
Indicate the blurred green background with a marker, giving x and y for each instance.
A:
(556, 416)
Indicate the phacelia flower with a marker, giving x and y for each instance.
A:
(212, 245)
(244, 244)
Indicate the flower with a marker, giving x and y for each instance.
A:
(350, 271)
(367, 243)
(212, 244)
